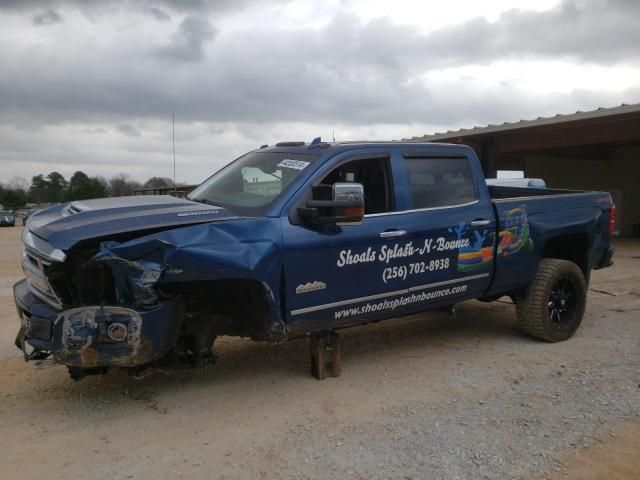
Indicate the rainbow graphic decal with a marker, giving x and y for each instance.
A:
(469, 260)
(515, 235)
(513, 238)
(479, 253)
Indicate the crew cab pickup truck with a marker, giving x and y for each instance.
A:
(300, 240)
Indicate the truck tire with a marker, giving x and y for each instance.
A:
(554, 302)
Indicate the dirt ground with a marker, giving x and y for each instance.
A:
(424, 397)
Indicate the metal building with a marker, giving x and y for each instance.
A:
(594, 150)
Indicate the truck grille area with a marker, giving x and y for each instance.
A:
(37, 327)
(35, 266)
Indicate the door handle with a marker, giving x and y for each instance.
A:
(480, 223)
(393, 233)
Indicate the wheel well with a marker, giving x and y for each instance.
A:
(236, 307)
(573, 247)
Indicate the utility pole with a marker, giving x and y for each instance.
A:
(173, 143)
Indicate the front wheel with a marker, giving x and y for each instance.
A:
(554, 303)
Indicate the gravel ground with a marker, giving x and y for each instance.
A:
(422, 397)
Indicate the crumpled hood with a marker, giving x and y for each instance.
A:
(65, 225)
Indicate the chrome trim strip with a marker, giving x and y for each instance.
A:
(400, 212)
(541, 197)
(448, 282)
(388, 294)
(347, 302)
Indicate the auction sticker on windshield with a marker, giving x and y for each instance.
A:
(295, 164)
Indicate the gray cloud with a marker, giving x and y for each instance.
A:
(602, 31)
(98, 95)
(347, 72)
(184, 6)
(95, 130)
(188, 42)
(128, 130)
(159, 14)
(48, 17)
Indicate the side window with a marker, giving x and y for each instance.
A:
(440, 182)
(375, 176)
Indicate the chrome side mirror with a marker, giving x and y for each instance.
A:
(345, 208)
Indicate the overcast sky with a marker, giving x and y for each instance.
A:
(91, 85)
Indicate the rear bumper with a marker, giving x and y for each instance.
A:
(606, 260)
(79, 337)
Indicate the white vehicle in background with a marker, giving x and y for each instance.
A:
(517, 182)
(515, 178)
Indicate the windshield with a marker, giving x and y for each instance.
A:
(5, 213)
(252, 182)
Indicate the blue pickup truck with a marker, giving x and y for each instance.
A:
(301, 240)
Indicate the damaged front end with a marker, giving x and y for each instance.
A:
(90, 339)
(162, 296)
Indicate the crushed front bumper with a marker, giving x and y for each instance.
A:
(95, 336)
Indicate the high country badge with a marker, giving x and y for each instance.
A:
(310, 287)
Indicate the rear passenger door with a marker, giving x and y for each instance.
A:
(450, 225)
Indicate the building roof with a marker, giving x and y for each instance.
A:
(540, 121)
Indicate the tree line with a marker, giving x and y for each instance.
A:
(55, 188)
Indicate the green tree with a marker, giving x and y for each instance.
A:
(56, 187)
(13, 198)
(100, 187)
(38, 189)
(82, 187)
(78, 186)
(122, 184)
(18, 183)
(158, 182)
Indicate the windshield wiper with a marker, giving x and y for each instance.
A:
(205, 201)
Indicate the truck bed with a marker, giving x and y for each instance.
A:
(501, 192)
(530, 218)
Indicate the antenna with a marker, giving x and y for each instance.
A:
(333, 135)
(173, 143)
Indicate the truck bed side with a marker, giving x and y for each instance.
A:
(545, 223)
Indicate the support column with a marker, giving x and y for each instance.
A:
(488, 158)
(324, 351)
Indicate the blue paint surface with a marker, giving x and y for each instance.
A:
(323, 277)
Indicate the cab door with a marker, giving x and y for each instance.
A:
(332, 272)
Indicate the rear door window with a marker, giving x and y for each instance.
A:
(440, 182)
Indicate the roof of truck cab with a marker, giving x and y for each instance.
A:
(333, 148)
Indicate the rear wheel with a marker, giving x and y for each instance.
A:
(554, 303)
